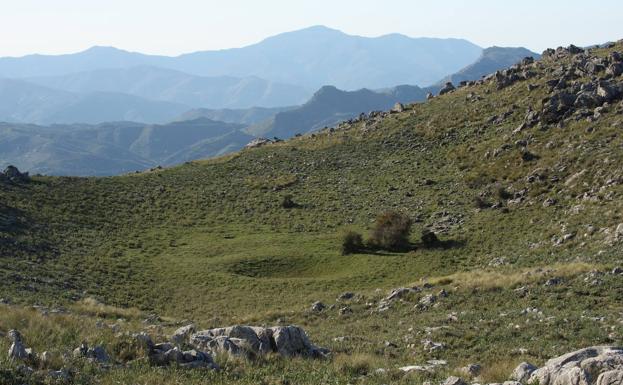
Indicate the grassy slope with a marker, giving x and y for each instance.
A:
(209, 240)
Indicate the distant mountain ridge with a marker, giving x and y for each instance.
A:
(330, 106)
(309, 58)
(178, 87)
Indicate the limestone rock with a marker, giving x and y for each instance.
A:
(18, 351)
(452, 380)
(247, 340)
(449, 87)
(581, 367)
(182, 334)
(522, 372)
(318, 306)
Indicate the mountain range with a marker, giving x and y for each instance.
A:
(310, 58)
(106, 121)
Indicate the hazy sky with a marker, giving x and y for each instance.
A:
(178, 26)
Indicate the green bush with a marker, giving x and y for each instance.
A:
(429, 238)
(352, 242)
(288, 202)
(391, 231)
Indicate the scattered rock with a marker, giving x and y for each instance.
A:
(449, 87)
(398, 107)
(258, 142)
(471, 370)
(346, 296)
(182, 334)
(318, 306)
(12, 174)
(252, 341)
(549, 202)
(553, 282)
(428, 300)
(589, 366)
(522, 372)
(97, 354)
(18, 351)
(344, 310)
(452, 380)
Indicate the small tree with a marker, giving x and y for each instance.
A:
(391, 231)
(352, 242)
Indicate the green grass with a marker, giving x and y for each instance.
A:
(209, 241)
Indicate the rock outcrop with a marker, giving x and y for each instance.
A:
(164, 354)
(18, 351)
(598, 365)
(236, 340)
(12, 174)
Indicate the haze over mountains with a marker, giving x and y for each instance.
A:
(310, 58)
(209, 103)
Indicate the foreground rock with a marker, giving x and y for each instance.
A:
(95, 354)
(18, 351)
(598, 365)
(238, 340)
(164, 354)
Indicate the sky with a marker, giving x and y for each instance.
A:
(172, 27)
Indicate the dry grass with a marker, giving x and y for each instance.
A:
(92, 307)
(485, 279)
(498, 371)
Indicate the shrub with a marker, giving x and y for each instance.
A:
(391, 231)
(288, 202)
(429, 238)
(502, 193)
(352, 242)
(481, 203)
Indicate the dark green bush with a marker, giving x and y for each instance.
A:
(288, 202)
(429, 238)
(391, 231)
(352, 242)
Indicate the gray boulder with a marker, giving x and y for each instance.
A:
(452, 380)
(247, 339)
(12, 174)
(292, 341)
(258, 142)
(581, 367)
(449, 87)
(17, 350)
(611, 377)
(182, 334)
(96, 354)
(318, 306)
(522, 372)
(252, 341)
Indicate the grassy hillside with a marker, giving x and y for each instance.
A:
(210, 241)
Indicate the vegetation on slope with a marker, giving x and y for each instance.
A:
(528, 219)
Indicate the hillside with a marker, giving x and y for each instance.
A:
(518, 176)
(115, 148)
(310, 58)
(178, 87)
